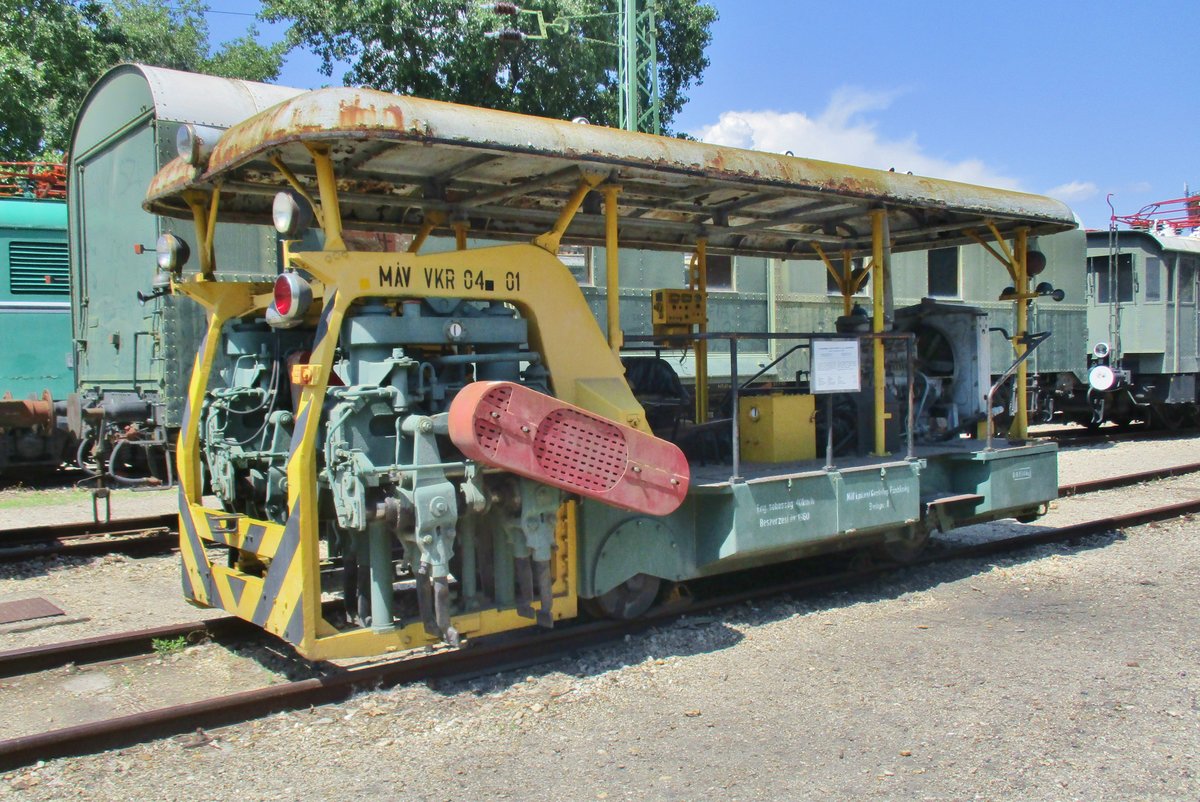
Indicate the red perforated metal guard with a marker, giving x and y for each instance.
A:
(581, 450)
(487, 426)
(539, 437)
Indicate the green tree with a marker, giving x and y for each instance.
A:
(441, 49)
(51, 51)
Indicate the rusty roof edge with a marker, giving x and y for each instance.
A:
(340, 112)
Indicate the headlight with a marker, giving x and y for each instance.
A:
(293, 296)
(1102, 378)
(291, 214)
(195, 143)
(172, 253)
(1100, 350)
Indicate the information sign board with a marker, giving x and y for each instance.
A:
(835, 367)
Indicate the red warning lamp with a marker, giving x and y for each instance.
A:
(291, 299)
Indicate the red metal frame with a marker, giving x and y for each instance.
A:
(1178, 213)
(43, 179)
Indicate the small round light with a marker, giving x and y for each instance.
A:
(283, 297)
(172, 252)
(290, 214)
(291, 298)
(194, 143)
(1035, 262)
(1102, 378)
(1101, 350)
(754, 413)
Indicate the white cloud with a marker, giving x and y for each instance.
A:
(843, 132)
(1074, 191)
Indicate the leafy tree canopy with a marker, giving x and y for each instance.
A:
(51, 51)
(442, 49)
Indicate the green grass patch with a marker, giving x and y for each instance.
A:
(168, 646)
(20, 500)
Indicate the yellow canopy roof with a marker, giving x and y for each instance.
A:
(509, 175)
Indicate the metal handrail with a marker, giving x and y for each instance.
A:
(735, 386)
(1032, 341)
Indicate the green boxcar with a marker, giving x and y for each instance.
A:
(134, 356)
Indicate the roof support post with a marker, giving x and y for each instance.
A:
(331, 215)
(1015, 261)
(612, 276)
(699, 282)
(549, 241)
(1019, 429)
(848, 286)
(433, 219)
(880, 252)
(204, 218)
(460, 234)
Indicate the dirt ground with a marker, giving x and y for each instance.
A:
(1059, 673)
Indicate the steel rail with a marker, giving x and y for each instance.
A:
(41, 534)
(128, 644)
(495, 655)
(134, 542)
(156, 534)
(116, 646)
(1108, 483)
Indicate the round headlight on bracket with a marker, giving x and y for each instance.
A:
(172, 253)
(1101, 378)
(292, 298)
(195, 143)
(291, 214)
(1101, 350)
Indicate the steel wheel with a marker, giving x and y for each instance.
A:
(628, 600)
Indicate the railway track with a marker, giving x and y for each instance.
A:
(1070, 437)
(158, 534)
(137, 536)
(490, 657)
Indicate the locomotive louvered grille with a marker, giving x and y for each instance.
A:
(581, 450)
(40, 268)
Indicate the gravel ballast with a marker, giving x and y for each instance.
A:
(1058, 673)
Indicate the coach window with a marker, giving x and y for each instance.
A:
(720, 272)
(1153, 279)
(1187, 280)
(942, 264)
(1098, 268)
(578, 259)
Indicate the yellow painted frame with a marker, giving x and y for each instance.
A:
(584, 372)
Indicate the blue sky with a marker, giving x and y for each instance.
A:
(1070, 99)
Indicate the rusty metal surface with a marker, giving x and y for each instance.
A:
(26, 412)
(27, 610)
(398, 158)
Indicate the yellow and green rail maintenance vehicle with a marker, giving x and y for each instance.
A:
(453, 444)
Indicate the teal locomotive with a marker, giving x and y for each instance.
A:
(35, 316)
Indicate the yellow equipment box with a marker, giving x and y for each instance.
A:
(677, 307)
(777, 428)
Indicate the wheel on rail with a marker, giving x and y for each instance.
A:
(1169, 416)
(626, 601)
